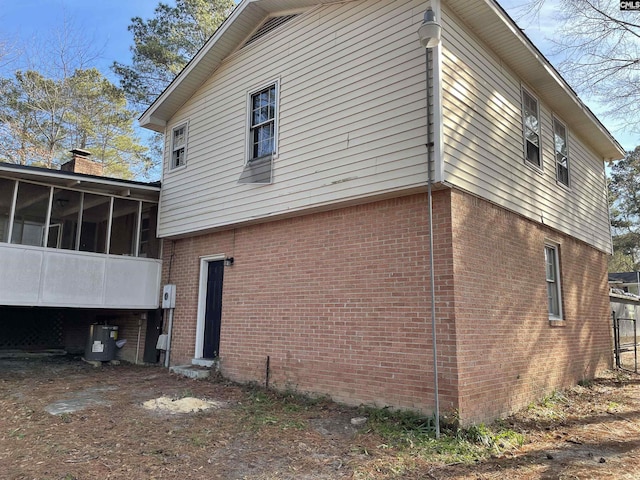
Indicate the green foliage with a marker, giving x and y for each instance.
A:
(259, 410)
(624, 205)
(401, 426)
(416, 434)
(612, 406)
(16, 433)
(66, 417)
(198, 441)
(165, 43)
(42, 118)
(283, 410)
(551, 407)
(553, 399)
(186, 393)
(495, 440)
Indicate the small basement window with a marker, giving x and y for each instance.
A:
(554, 295)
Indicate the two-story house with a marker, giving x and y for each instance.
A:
(296, 211)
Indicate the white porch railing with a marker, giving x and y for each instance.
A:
(45, 277)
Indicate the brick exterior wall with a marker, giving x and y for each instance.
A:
(339, 302)
(508, 352)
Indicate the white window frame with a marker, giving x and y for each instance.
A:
(526, 128)
(556, 121)
(250, 127)
(553, 280)
(175, 148)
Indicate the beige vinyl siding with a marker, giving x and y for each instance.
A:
(351, 119)
(483, 144)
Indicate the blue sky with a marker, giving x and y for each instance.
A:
(104, 24)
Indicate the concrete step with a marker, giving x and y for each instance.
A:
(192, 371)
(205, 362)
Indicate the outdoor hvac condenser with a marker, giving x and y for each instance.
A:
(101, 344)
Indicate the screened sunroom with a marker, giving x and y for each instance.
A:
(74, 240)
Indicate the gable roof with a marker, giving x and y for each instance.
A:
(243, 21)
(484, 17)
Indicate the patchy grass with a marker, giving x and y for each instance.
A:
(16, 433)
(413, 437)
(271, 408)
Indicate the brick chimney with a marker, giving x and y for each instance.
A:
(80, 163)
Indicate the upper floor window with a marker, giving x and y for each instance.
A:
(179, 146)
(553, 282)
(531, 124)
(263, 126)
(562, 152)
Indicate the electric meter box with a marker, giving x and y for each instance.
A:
(169, 296)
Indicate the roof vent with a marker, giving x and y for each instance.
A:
(269, 25)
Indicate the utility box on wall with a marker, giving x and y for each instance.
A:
(169, 296)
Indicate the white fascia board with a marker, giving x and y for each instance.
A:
(152, 123)
(555, 76)
(162, 109)
(149, 119)
(522, 48)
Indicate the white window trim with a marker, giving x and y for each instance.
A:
(538, 168)
(558, 280)
(555, 120)
(276, 120)
(184, 125)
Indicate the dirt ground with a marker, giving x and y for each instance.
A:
(62, 419)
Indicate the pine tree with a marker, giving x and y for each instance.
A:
(164, 44)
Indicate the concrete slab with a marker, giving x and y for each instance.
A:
(80, 400)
